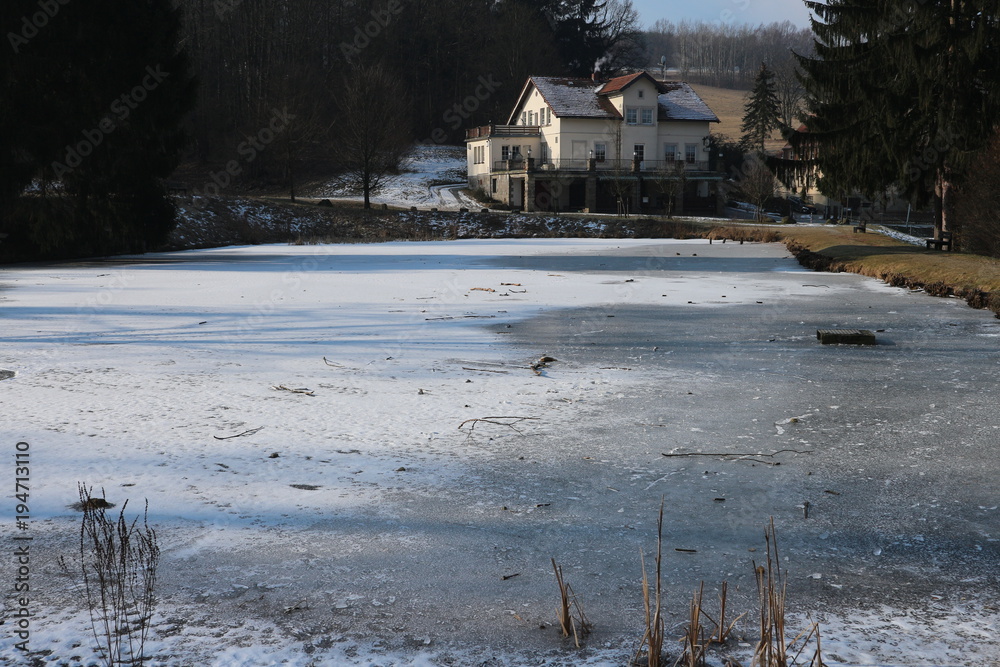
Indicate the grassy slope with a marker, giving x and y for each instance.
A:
(974, 278)
(728, 106)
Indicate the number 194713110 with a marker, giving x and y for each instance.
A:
(22, 477)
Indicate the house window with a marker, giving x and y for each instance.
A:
(690, 153)
(505, 152)
(524, 118)
(647, 116)
(545, 152)
(515, 153)
(639, 152)
(600, 152)
(641, 94)
(631, 116)
(494, 185)
(669, 152)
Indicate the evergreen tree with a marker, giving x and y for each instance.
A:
(593, 34)
(96, 96)
(903, 94)
(762, 112)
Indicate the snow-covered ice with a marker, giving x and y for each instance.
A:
(360, 525)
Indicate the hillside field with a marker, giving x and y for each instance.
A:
(728, 106)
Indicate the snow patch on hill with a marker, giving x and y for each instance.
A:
(431, 177)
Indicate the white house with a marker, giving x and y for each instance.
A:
(575, 144)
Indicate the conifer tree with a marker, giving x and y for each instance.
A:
(902, 94)
(95, 97)
(762, 113)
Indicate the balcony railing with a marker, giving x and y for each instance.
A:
(484, 131)
(646, 167)
(510, 165)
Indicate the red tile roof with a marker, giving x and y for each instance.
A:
(620, 83)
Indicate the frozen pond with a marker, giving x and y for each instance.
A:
(361, 525)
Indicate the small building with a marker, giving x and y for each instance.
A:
(631, 144)
(800, 178)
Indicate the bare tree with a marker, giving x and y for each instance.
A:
(625, 43)
(621, 182)
(791, 94)
(670, 180)
(373, 133)
(724, 54)
(755, 184)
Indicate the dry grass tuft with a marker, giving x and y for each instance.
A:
(772, 650)
(744, 233)
(119, 561)
(652, 597)
(722, 630)
(693, 640)
(575, 627)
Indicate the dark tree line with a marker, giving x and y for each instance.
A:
(98, 99)
(459, 63)
(91, 100)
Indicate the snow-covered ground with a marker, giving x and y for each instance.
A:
(432, 177)
(357, 521)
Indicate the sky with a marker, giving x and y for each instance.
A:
(725, 11)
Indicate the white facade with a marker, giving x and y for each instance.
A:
(559, 126)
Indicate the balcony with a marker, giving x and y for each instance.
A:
(486, 131)
(648, 168)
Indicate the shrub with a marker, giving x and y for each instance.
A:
(119, 561)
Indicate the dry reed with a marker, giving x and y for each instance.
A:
(652, 640)
(576, 627)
